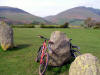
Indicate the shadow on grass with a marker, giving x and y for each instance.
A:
(61, 69)
(19, 47)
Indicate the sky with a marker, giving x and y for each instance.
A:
(45, 8)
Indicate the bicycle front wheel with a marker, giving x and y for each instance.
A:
(44, 64)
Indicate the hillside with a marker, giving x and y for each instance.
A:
(77, 14)
(18, 16)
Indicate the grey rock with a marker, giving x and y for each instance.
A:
(6, 36)
(60, 49)
(85, 64)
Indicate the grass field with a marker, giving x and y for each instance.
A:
(21, 60)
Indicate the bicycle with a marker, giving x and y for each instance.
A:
(43, 56)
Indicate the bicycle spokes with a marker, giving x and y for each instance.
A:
(43, 64)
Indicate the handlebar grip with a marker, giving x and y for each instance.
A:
(40, 36)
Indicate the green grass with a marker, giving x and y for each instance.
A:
(21, 60)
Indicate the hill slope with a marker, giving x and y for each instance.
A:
(18, 16)
(74, 15)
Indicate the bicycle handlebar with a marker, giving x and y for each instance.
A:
(50, 42)
(42, 37)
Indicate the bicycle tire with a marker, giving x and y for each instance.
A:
(76, 53)
(43, 65)
(39, 54)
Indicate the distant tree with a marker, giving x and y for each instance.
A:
(65, 25)
(97, 25)
(89, 22)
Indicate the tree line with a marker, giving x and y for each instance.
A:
(90, 23)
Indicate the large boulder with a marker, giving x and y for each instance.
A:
(6, 36)
(85, 64)
(60, 49)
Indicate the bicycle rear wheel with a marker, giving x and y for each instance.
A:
(75, 53)
(44, 64)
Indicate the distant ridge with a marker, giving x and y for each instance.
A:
(19, 16)
(11, 9)
(77, 14)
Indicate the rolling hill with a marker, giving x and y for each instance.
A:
(75, 15)
(19, 16)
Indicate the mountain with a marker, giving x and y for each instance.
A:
(19, 16)
(75, 15)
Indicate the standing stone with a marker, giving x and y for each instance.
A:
(60, 49)
(85, 64)
(6, 36)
